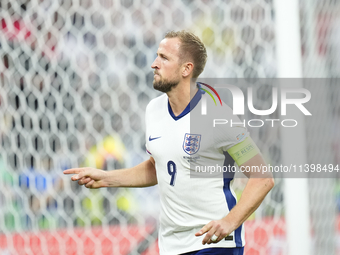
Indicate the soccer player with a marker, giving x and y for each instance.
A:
(195, 212)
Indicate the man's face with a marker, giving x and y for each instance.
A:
(167, 65)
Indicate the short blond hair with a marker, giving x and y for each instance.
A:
(191, 49)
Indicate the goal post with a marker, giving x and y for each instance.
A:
(289, 65)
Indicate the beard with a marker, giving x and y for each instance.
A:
(165, 85)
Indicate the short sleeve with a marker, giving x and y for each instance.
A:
(229, 131)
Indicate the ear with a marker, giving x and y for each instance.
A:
(187, 69)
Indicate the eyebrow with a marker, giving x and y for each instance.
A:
(162, 55)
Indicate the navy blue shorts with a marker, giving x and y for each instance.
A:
(217, 251)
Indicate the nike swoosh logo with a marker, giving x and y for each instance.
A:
(151, 139)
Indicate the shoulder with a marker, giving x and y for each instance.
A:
(157, 103)
(217, 110)
(156, 110)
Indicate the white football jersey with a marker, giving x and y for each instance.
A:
(178, 147)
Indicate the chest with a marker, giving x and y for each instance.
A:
(179, 142)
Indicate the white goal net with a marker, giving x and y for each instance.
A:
(75, 79)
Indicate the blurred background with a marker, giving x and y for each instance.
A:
(75, 79)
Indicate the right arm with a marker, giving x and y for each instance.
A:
(142, 175)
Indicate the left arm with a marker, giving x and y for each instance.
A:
(255, 191)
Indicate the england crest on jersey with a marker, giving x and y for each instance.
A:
(191, 143)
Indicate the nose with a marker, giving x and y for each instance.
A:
(155, 64)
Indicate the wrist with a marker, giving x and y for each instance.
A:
(100, 177)
(231, 222)
(110, 179)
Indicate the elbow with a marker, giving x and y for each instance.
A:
(270, 183)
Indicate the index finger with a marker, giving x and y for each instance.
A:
(72, 171)
(203, 230)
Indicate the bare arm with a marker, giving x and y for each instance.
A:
(142, 175)
(253, 194)
(255, 191)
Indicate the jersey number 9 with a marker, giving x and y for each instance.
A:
(172, 172)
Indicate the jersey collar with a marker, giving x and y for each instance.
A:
(194, 101)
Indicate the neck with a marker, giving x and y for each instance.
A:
(181, 95)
